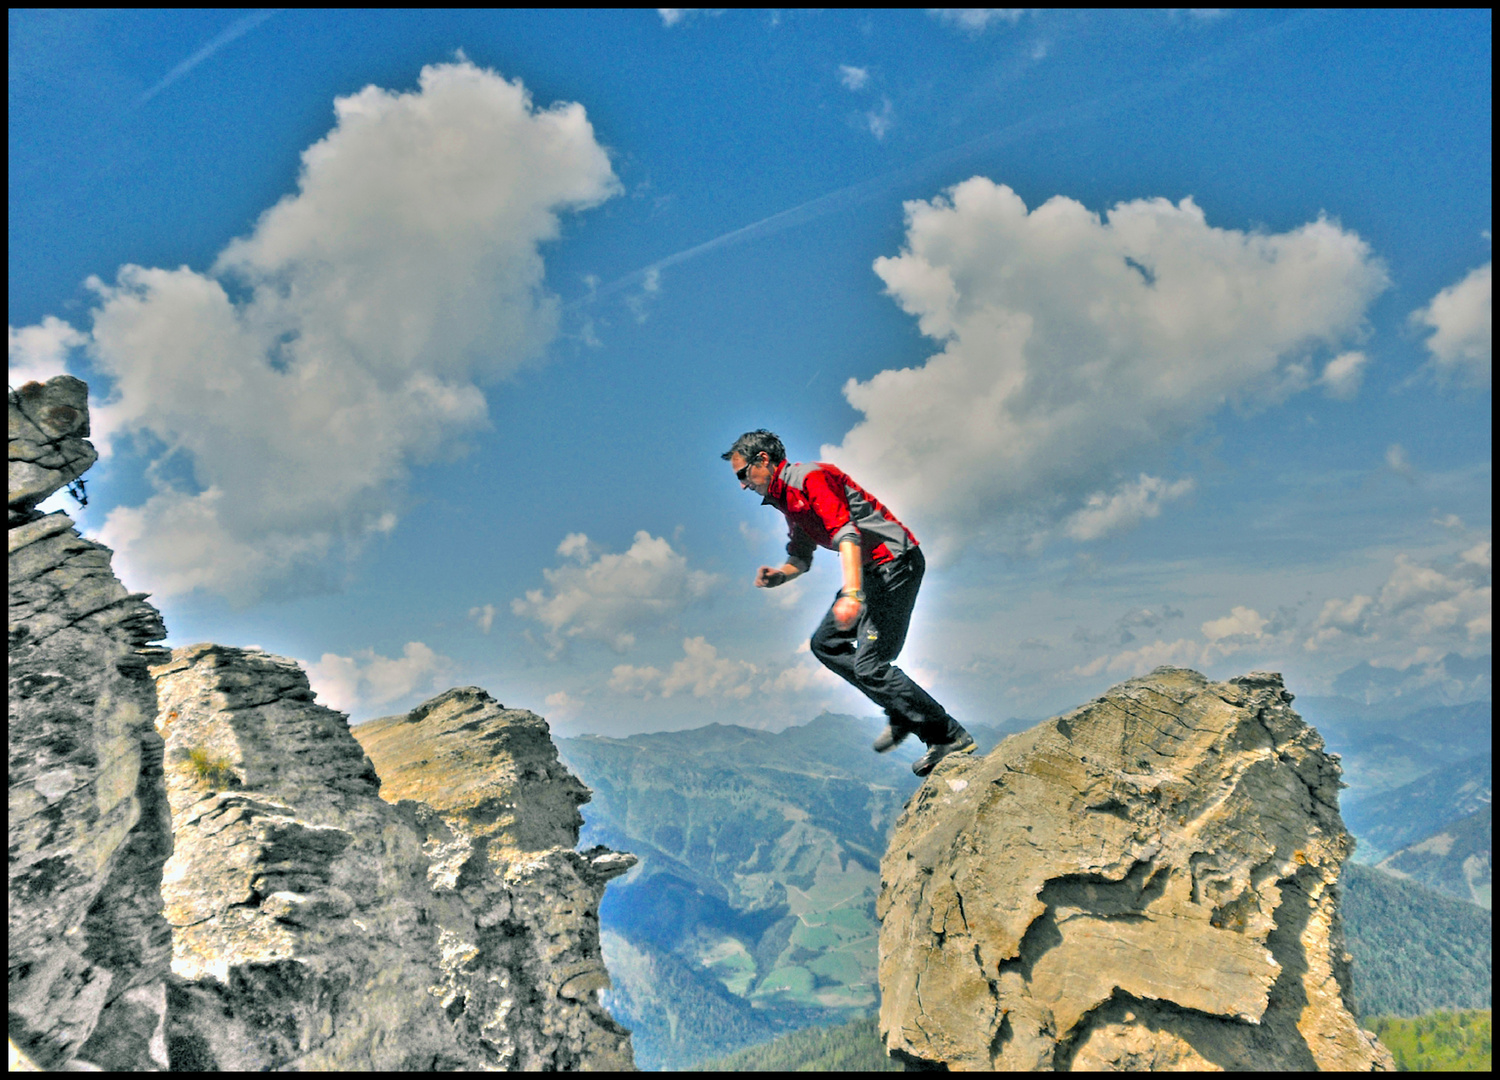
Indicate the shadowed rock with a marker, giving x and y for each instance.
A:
(1148, 882)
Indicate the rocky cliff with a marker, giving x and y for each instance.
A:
(1148, 882)
(519, 924)
(301, 921)
(317, 925)
(88, 945)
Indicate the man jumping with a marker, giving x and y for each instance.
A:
(863, 632)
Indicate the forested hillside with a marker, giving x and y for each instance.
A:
(1415, 950)
(1438, 1042)
(851, 1047)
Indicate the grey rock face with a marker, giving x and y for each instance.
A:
(521, 960)
(1148, 882)
(89, 826)
(318, 926)
(303, 930)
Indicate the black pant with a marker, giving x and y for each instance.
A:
(862, 655)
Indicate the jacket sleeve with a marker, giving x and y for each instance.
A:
(831, 505)
(799, 547)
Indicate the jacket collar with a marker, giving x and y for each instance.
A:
(776, 489)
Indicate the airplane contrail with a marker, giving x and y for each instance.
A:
(236, 29)
(1093, 109)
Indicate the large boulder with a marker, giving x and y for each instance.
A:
(89, 826)
(521, 959)
(1148, 882)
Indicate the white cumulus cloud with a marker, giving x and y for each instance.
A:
(1180, 653)
(702, 671)
(879, 120)
(705, 674)
(1460, 319)
(365, 681)
(484, 617)
(610, 597)
(1103, 514)
(1432, 606)
(344, 339)
(1242, 628)
(1074, 345)
(37, 353)
(1398, 462)
(673, 16)
(1240, 622)
(1343, 374)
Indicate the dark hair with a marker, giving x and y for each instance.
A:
(754, 443)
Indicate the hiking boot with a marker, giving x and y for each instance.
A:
(963, 743)
(890, 738)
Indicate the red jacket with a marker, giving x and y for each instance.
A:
(824, 507)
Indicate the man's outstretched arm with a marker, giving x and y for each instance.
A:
(767, 578)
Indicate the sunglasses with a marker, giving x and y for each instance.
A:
(741, 474)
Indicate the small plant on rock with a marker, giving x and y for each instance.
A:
(216, 771)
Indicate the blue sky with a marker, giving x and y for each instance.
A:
(413, 340)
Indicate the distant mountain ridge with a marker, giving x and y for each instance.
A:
(1454, 860)
(1386, 821)
(1382, 751)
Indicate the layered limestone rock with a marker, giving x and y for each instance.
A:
(521, 958)
(1148, 882)
(303, 930)
(89, 825)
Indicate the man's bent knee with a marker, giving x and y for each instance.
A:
(832, 649)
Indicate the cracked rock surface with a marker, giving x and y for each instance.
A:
(88, 820)
(1148, 882)
(521, 962)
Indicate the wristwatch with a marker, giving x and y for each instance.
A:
(853, 594)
